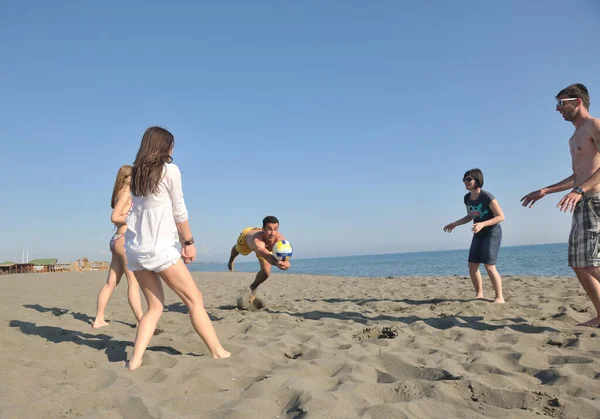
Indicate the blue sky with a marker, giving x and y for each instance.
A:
(352, 122)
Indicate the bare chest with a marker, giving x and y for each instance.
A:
(582, 143)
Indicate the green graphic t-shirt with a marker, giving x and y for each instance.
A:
(480, 210)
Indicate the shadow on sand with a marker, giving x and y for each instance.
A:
(114, 349)
(361, 301)
(57, 311)
(473, 322)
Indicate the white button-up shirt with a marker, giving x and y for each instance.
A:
(151, 224)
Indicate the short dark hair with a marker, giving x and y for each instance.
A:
(270, 219)
(477, 175)
(578, 91)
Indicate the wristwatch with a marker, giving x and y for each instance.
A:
(189, 241)
(578, 190)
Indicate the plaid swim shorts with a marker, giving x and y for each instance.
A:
(584, 239)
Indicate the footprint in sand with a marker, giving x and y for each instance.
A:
(372, 333)
(243, 302)
(569, 359)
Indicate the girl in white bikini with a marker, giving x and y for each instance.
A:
(121, 204)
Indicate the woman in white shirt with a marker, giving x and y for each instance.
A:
(158, 220)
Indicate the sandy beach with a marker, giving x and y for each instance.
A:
(324, 347)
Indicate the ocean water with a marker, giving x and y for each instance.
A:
(542, 259)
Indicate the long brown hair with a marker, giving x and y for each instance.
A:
(122, 174)
(154, 152)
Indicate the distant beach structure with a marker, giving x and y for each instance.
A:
(15, 268)
(84, 264)
(50, 265)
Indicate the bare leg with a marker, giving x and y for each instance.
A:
(114, 277)
(496, 282)
(583, 280)
(133, 295)
(261, 276)
(476, 279)
(233, 255)
(179, 279)
(589, 277)
(152, 288)
(133, 288)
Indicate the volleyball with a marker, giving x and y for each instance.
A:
(282, 250)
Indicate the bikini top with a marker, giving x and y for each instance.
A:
(125, 213)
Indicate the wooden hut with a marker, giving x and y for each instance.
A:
(7, 268)
(15, 268)
(43, 265)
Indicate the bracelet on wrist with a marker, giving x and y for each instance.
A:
(188, 242)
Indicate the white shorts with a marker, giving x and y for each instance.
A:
(155, 262)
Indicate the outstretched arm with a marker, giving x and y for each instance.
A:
(261, 250)
(466, 219)
(563, 185)
(532, 197)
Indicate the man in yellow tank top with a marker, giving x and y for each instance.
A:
(260, 241)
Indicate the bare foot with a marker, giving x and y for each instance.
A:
(131, 366)
(99, 323)
(230, 265)
(479, 297)
(221, 354)
(252, 295)
(595, 322)
(499, 301)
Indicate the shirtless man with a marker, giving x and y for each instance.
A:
(573, 103)
(259, 241)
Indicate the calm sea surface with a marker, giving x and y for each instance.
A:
(543, 259)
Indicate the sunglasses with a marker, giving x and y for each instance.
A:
(561, 102)
(467, 179)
